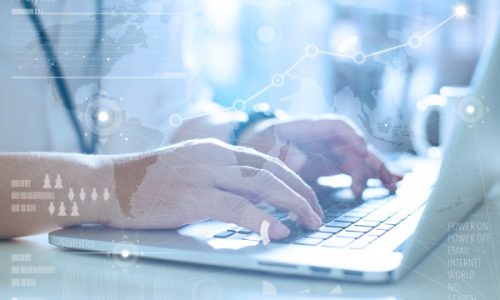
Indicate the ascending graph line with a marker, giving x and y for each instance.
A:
(262, 91)
(312, 51)
(438, 26)
(278, 80)
(387, 50)
(337, 54)
(295, 65)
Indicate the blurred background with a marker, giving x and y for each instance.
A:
(236, 47)
(292, 55)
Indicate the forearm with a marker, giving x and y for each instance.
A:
(222, 125)
(43, 191)
(219, 125)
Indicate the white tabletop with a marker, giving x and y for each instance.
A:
(472, 254)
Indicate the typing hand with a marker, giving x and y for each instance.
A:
(321, 146)
(208, 179)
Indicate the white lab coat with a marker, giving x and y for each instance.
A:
(139, 46)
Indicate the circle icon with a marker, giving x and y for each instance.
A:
(312, 50)
(125, 254)
(415, 41)
(460, 11)
(359, 57)
(278, 80)
(207, 289)
(470, 109)
(266, 34)
(103, 115)
(239, 105)
(175, 120)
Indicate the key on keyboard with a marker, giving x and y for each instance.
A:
(308, 241)
(337, 242)
(338, 224)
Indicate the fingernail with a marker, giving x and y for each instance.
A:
(321, 214)
(319, 222)
(316, 221)
(278, 231)
(357, 191)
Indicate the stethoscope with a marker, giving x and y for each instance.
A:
(58, 75)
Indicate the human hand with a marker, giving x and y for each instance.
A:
(208, 179)
(321, 146)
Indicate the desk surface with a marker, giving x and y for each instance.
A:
(465, 266)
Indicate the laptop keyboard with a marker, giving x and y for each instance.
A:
(348, 224)
(355, 224)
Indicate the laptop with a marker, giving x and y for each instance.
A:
(376, 239)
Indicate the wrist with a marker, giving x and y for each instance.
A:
(258, 134)
(219, 126)
(99, 177)
(255, 123)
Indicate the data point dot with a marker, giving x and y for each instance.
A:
(470, 109)
(278, 80)
(415, 41)
(175, 120)
(461, 10)
(239, 105)
(359, 57)
(312, 50)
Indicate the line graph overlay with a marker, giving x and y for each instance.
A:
(277, 80)
(311, 51)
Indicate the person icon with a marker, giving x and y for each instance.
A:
(71, 194)
(62, 210)
(94, 194)
(74, 210)
(105, 194)
(58, 182)
(52, 208)
(46, 182)
(82, 194)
